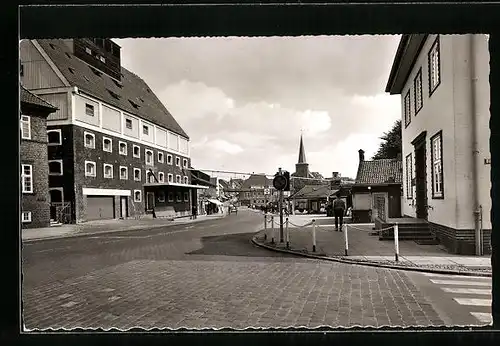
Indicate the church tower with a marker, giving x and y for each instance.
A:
(302, 167)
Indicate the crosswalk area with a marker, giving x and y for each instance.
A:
(472, 292)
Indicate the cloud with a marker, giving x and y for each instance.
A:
(244, 101)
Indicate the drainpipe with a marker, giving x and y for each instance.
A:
(475, 149)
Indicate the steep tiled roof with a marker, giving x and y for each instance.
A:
(30, 98)
(133, 88)
(257, 180)
(314, 191)
(381, 171)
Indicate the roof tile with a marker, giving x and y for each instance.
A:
(28, 97)
(381, 171)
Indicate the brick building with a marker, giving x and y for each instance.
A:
(35, 202)
(114, 150)
(252, 191)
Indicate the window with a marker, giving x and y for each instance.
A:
(113, 94)
(55, 167)
(107, 144)
(409, 177)
(71, 70)
(90, 169)
(177, 161)
(145, 130)
(417, 86)
(149, 157)
(179, 197)
(108, 171)
(135, 105)
(26, 216)
(123, 148)
(186, 180)
(137, 195)
(161, 177)
(160, 157)
(170, 178)
(25, 127)
(89, 110)
(54, 137)
(27, 178)
(103, 59)
(434, 67)
(128, 124)
(123, 173)
(186, 197)
(89, 140)
(137, 174)
(170, 196)
(161, 196)
(137, 151)
(437, 166)
(185, 163)
(169, 159)
(88, 51)
(150, 177)
(178, 179)
(407, 110)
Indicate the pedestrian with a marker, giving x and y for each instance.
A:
(195, 211)
(338, 211)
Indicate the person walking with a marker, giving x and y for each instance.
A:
(338, 212)
(195, 211)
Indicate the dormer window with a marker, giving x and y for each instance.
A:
(68, 55)
(71, 70)
(96, 72)
(128, 124)
(103, 59)
(118, 84)
(135, 105)
(88, 51)
(113, 94)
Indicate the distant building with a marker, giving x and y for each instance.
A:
(252, 192)
(443, 81)
(35, 203)
(202, 196)
(377, 190)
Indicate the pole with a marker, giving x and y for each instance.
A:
(287, 235)
(265, 226)
(272, 229)
(314, 235)
(280, 205)
(396, 242)
(345, 239)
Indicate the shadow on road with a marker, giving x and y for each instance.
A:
(234, 245)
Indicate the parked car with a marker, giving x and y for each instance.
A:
(233, 209)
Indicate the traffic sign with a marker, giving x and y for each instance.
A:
(279, 182)
(266, 192)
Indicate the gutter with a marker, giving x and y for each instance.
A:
(475, 148)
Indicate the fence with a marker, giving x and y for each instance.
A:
(305, 235)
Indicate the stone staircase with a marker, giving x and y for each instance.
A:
(418, 232)
(55, 223)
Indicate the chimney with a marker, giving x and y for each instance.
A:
(361, 155)
(335, 174)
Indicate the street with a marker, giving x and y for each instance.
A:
(210, 275)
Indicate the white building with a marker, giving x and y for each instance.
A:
(443, 81)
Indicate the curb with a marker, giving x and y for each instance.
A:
(77, 234)
(372, 264)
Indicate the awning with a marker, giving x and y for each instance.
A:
(215, 201)
(176, 184)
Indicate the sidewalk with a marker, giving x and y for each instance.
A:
(364, 248)
(107, 226)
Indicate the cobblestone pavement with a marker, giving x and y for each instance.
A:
(206, 275)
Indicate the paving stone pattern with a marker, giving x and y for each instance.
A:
(238, 294)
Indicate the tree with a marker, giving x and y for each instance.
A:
(391, 144)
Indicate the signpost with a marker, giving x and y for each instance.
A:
(281, 182)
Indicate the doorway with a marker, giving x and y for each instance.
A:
(123, 207)
(421, 177)
(56, 201)
(150, 201)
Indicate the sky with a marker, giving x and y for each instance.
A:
(244, 102)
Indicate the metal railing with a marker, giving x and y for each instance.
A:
(63, 212)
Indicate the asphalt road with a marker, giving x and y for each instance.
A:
(209, 275)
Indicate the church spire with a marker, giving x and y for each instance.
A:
(302, 153)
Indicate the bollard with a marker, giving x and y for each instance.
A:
(287, 235)
(346, 242)
(314, 235)
(272, 229)
(265, 226)
(396, 242)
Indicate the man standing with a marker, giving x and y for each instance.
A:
(195, 211)
(338, 211)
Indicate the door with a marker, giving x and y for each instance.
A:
(100, 207)
(123, 207)
(380, 206)
(56, 200)
(150, 200)
(421, 180)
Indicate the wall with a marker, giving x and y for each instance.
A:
(437, 114)
(34, 152)
(59, 100)
(37, 73)
(80, 104)
(111, 119)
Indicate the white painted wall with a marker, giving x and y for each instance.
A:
(173, 141)
(150, 136)
(111, 119)
(134, 131)
(80, 102)
(449, 109)
(161, 137)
